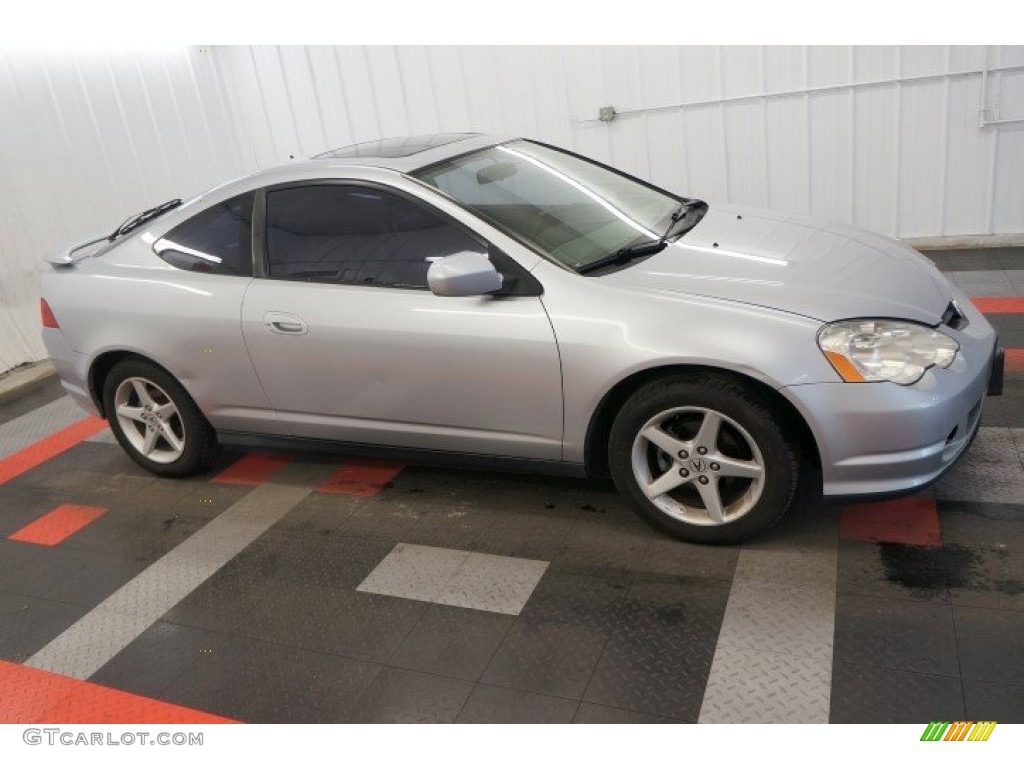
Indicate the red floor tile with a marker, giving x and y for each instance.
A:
(43, 450)
(252, 469)
(998, 305)
(29, 695)
(913, 520)
(55, 526)
(1015, 361)
(361, 477)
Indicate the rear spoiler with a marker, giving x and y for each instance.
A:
(67, 255)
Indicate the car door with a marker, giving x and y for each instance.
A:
(351, 345)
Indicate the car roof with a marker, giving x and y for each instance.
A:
(404, 154)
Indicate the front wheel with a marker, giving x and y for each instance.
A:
(704, 458)
(155, 421)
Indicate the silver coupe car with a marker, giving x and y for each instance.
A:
(503, 302)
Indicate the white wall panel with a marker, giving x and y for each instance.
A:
(884, 137)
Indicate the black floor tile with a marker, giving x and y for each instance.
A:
(569, 598)
(159, 656)
(43, 570)
(990, 644)
(28, 623)
(1010, 328)
(600, 544)
(982, 525)
(893, 571)
(358, 626)
(452, 641)
(536, 535)
(401, 696)
(546, 657)
(491, 704)
(866, 694)
(988, 578)
(600, 715)
(418, 522)
(321, 512)
(991, 701)
(263, 683)
(658, 658)
(896, 634)
(970, 259)
(666, 557)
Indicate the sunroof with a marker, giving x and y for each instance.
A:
(401, 147)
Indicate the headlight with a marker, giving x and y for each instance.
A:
(885, 350)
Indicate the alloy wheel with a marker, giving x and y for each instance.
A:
(698, 466)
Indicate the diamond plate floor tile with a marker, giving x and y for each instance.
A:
(569, 598)
(493, 583)
(491, 704)
(415, 572)
(896, 634)
(359, 625)
(599, 544)
(89, 643)
(990, 471)
(264, 683)
(415, 521)
(991, 701)
(990, 644)
(537, 535)
(780, 618)
(29, 623)
(665, 557)
(895, 571)
(863, 694)
(986, 578)
(456, 577)
(979, 525)
(814, 569)
(24, 430)
(598, 714)
(546, 657)
(159, 656)
(401, 696)
(450, 641)
(984, 282)
(749, 686)
(658, 658)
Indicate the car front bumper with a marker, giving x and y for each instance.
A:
(884, 439)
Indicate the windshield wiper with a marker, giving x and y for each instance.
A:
(646, 248)
(134, 222)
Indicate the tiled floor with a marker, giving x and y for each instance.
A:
(301, 588)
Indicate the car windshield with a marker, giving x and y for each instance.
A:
(569, 209)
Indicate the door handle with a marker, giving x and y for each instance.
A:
(281, 322)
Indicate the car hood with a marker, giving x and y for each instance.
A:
(798, 264)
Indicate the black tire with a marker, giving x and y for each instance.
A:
(200, 441)
(744, 405)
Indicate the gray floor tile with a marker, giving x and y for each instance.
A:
(750, 686)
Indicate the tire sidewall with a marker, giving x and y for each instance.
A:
(729, 399)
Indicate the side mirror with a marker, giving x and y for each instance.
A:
(463, 274)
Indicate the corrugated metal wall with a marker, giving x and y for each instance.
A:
(883, 137)
(86, 140)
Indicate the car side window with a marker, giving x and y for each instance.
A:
(357, 235)
(217, 241)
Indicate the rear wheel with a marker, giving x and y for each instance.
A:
(704, 458)
(155, 421)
